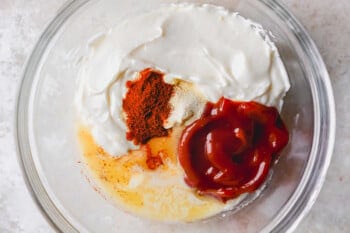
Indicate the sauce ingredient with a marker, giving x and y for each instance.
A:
(229, 150)
(146, 105)
(134, 141)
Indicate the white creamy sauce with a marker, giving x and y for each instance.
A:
(220, 53)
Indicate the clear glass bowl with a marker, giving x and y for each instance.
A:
(48, 144)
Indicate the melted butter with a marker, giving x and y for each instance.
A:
(158, 194)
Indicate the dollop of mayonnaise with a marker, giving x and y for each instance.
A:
(218, 52)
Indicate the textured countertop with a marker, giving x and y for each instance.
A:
(22, 22)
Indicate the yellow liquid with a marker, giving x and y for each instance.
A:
(158, 194)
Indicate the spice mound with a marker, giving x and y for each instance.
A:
(146, 106)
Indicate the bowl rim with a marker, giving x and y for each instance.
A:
(308, 189)
(297, 206)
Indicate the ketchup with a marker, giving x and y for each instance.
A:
(229, 150)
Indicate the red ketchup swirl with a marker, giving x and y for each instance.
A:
(229, 150)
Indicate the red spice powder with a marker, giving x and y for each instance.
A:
(146, 105)
(153, 161)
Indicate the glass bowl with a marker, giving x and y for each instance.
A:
(50, 154)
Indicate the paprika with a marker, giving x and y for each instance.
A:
(146, 105)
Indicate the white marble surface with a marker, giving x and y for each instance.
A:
(22, 21)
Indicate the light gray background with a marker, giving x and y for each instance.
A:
(22, 22)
